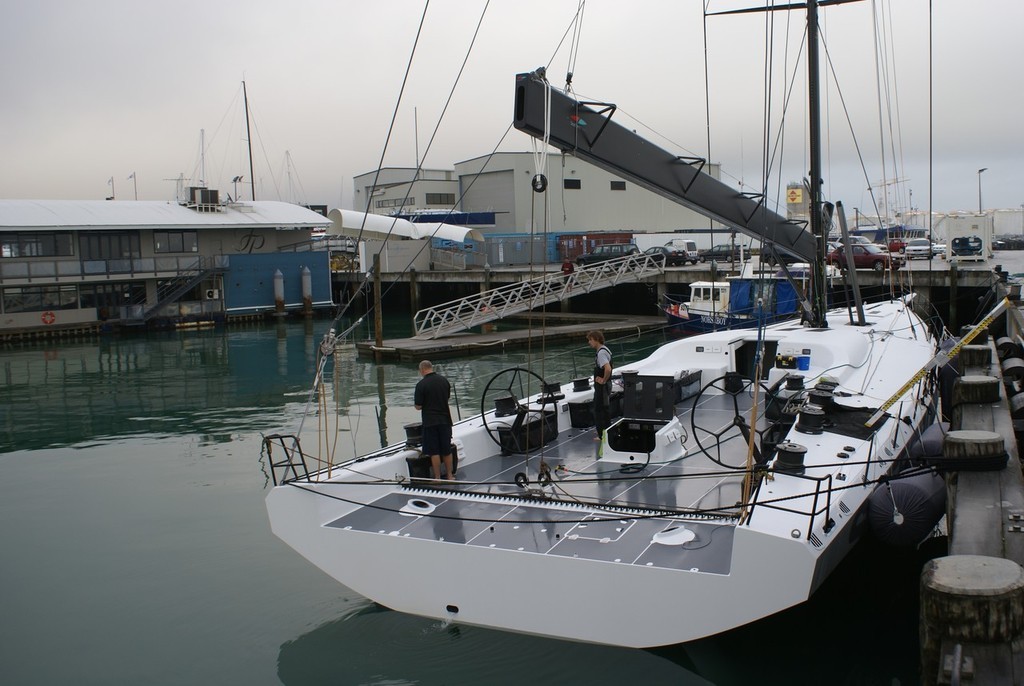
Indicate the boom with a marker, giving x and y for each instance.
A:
(590, 134)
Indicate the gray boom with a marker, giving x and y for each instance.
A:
(590, 134)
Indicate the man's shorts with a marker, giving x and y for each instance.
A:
(437, 439)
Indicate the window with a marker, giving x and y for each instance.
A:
(175, 241)
(41, 244)
(40, 298)
(618, 185)
(109, 245)
(440, 198)
(395, 202)
(572, 184)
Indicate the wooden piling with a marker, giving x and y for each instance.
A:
(971, 599)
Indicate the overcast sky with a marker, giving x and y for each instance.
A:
(99, 89)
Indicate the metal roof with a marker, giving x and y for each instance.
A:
(17, 215)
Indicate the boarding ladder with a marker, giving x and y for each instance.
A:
(494, 304)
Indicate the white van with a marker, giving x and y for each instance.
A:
(685, 245)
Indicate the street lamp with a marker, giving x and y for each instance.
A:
(235, 181)
(980, 211)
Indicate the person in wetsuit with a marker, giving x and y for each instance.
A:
(602, 381)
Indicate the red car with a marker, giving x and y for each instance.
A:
(865, 257)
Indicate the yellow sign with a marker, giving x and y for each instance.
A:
(794, 195)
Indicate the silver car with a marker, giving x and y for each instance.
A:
(918, 247)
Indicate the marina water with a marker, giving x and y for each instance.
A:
(136, 547)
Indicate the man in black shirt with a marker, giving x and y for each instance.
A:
(431, 398)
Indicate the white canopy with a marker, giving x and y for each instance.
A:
(351, 222)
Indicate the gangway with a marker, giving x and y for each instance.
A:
(494, 304)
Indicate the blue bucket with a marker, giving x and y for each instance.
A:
(803, 362)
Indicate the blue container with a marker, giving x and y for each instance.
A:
(803, 362)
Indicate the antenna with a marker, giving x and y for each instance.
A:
(202, 157)
(248, 140)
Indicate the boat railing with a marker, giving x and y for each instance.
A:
(823, 486)
(291, 465)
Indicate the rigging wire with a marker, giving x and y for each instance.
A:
(575, 44)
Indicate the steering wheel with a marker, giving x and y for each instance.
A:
(729, 398)
(512, 385)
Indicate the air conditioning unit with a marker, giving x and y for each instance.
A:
(212, 294)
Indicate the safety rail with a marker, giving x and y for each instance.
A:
(494, 304)
(814, 510)
(293, 460)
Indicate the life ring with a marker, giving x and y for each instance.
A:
(48, 317)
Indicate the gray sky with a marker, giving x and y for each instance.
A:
(94, 89)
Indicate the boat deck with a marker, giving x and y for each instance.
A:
(593, 508)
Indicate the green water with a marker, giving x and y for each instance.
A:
(136, 549)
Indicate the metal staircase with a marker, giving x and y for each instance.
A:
(504, 301)
(185, 280)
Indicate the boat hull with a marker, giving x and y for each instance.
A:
(527, 592)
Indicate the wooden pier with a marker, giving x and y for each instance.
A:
(972, 601)
(546, 328)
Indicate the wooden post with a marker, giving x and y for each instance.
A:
(414, 296)
(970, 599)
(953, 323)
(378, 317)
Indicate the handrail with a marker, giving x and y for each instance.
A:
(812, 513)
(494, 304)
(291, 447)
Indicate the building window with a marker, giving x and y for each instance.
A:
(395, 202)
(618, 185)
(109, 245)
(572, 184)
(441, 199)
(108, 298)
(175, 241)
(40, 298)
(41, 244)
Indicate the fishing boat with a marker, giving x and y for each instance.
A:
(755, 297)
(737, 302)
(730, 484)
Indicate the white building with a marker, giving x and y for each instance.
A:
(579, 196)
(68, 263)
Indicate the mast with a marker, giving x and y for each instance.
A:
(248, 140)
(818, 300)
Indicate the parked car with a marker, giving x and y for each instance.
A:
(726, 252)
(918, 247)
(868, 256)
(607, 252)
(669, 257)
(687, 246)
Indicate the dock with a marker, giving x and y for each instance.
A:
(972, 600)
(536, 329)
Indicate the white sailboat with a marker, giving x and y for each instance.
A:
(728, 488)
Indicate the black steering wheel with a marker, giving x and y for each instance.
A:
(508, 388)
(721, 414)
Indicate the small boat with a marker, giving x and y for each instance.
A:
(735, 303)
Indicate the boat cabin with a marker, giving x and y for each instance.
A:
(709, 296)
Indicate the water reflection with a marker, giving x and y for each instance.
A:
(413, 650)
(218, 381)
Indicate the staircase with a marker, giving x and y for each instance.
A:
(172, 289)
(505, 301)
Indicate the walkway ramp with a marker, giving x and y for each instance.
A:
(524, 296)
